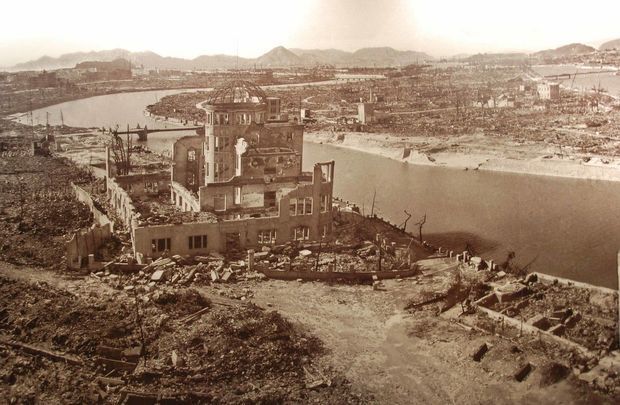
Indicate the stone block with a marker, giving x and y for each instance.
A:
(480, 352)
(510, 292)
(487, 300)
(176, 359)
(227, 274)
(158, 275)
(539, 321)
(572, 320)
(558, 329)
(523, 372)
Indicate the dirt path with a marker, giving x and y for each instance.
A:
(404, 358)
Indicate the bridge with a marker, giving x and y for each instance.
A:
(143, 132)
(570, 75)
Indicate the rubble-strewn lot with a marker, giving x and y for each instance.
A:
(230, 353)
(38, 211)
(438, 105)
(587, 317)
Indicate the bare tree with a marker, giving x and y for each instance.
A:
(420, 224)
(404, 225)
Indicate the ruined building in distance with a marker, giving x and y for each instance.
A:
(243, 181)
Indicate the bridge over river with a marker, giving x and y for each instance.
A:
(143, 132)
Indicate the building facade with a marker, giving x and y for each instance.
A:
(549, 91)
(247, 170)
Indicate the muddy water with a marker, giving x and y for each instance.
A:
(566, 227)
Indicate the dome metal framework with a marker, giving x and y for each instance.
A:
(237, 91)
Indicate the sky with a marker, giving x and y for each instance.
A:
(249, 28)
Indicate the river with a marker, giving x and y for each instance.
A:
(608, 81)
(565, 227)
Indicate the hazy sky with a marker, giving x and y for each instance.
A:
(30, 29)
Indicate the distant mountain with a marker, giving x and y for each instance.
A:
(277, 57)
(71, 59)
(566, 50)
(386, 56)
(614, 44)
(322, 56)
(365, 57)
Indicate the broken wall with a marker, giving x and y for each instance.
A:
(85, 242)
(144, 184)
(188, 158)
(252, 195)
(99, 217)
(183, 198)
(121, 201)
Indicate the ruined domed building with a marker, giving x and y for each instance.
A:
(247, 171)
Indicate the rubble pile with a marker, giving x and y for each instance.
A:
(582, 316)
(161, 211)
(85, 344)
(38, 211)
(178, 271)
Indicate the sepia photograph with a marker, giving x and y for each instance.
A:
(309, 202)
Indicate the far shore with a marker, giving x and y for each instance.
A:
(474, 153)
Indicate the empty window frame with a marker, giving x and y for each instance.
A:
(308, 206)
(160, 245)
(300, 206)
(267, 237)
(300, 233)
(191, 155)
(151, 187)
(325, 205)
(191, 179)
(197, 241)
(326, 173)
(237, 195)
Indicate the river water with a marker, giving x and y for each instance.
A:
(610, 82)
(565, 227)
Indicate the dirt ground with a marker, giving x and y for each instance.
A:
(418, 358)
(369, 347)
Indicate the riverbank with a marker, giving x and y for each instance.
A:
(476, 152)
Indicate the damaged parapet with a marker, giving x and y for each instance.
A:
(241, 185)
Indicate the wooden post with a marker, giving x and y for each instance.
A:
(250, 260)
